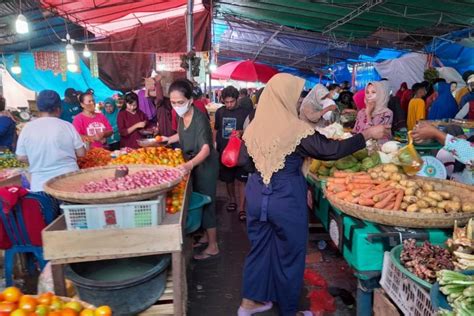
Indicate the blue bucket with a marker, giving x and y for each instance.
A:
(196, 204)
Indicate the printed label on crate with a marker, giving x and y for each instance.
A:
(110, 218)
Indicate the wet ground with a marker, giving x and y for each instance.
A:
(214, 286)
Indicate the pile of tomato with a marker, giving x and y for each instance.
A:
(152, 156)
(174, 198)
(96, 157)
(13, 302)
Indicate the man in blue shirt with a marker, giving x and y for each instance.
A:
(7, 127)
(70, 106)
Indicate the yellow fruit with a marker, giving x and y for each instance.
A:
(87, 312)
(103, 311)
(12, 294)
(74, 305)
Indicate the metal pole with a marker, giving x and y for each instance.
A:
(189, 33)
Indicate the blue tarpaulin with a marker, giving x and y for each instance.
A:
(38, 80)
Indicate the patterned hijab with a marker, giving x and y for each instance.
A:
(382, 97)
(276, 130)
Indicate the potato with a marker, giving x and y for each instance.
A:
(431, 202)
(410, 191)
(439, 210)
(377, 169)
(412, 184)
(410, 199)
(393, 184)
(396, 177)
(404, 176)
(390, 168)
(404, 183)
(445, 195)
(443, 204)
(374, 175)
(386, 175)
(422, 204)
(419, 194)
(453, 207)
(427, 187)
(403, 206)
(427, 210)
(412, 208)
(456, 198)
(435, 196)
(468, 207)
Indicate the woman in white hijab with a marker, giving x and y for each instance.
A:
(312, 109)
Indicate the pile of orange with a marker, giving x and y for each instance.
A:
(95, 157)
(13, 302)
(153, 156)
(175, 198)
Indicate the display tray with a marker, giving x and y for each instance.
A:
(66, 187)
(413, 220)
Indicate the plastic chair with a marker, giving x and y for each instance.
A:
(15, 227)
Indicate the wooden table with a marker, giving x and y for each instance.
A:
(62, 246)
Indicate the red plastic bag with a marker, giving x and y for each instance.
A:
(230, 155)
(314, 278)
(321, 301)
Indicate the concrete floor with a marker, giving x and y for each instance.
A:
(214, 286)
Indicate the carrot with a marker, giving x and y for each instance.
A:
(398, 200)
(383, 204)
(339, 188)
(356, 200)
(371, 193)
(390, 206)
(337, 180)
(366, 202)
(343, 194)
(381, 196)
(340, 174)
(357, 192)
(362, 181)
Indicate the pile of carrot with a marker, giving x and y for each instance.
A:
(360, 188)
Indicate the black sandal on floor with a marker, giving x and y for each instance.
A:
(242, 216)
(232, 207)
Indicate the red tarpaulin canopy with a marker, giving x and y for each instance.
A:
(244, 70)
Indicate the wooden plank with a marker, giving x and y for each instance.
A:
(90, 245)
(177, 271)
(59, 281)
(383, 306)
(159, 310)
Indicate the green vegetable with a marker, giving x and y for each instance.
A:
(376, 158)
(452, 288)
(450, 277)
(323, 171)
(328, 164)
(346, 163)
(356, 168)
(469, 291)
(361, 154)
(367, 163)
(331, 171)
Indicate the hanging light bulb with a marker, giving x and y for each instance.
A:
(70, 55)
(72, 67)
(86, 53)
(212, 67)
(16, 69)
(21, 24)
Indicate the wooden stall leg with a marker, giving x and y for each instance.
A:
(59, 281)
(178, 284)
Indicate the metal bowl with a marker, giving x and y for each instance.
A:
(150, 142)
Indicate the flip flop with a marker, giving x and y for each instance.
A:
(232, 207)
(199, 244)
(249, 312)
(242, 216)
(209, 256)
(306, 313)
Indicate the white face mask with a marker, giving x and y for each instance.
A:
(371, 97)
(181, 110)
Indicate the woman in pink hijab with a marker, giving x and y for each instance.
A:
(376, 111)
(358, 98)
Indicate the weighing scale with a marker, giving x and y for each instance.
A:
(363, 243)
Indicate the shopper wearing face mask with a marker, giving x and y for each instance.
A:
(330, 101)
(202, 161)
(467, 101)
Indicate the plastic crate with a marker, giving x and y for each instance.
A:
(411, 298)
(120, 215)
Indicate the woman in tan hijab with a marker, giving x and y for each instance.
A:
(277, 141)
(376, 111)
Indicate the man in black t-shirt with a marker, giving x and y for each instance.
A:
(228, 118)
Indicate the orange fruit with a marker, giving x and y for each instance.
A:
(12, 294)
(19, 312)
(54, 313)
(42, 310)
(74, 305)
(87, 312)
(45, 298)
(56, 304)
(28, 303)
(7, 307)
(69, 312)
(103, 311)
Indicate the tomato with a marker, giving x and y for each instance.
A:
(28, 303)
(103, 311)
(42, 310)
(19, 312)
(69, 312)
(74, 305)
(87, 312)
(56, 304)
(45, 298)
(12, 294)
(54, 313)
(7, 307)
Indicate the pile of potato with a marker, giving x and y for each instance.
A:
(420, 195)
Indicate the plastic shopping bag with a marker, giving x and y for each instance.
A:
(230, 155)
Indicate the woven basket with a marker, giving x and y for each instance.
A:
(66, 187)
(73, 299)
(413, 220)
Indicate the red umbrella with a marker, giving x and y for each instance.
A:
(244, 70)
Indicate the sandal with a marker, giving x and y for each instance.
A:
(200, 244)
(242, 216)
(208, 256)
(248, 312)
(232, 207)
(306, 313)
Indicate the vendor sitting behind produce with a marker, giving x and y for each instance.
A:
(93, 127)
(461, 149)
(130, 121)
(50, 145)
(7, 127)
